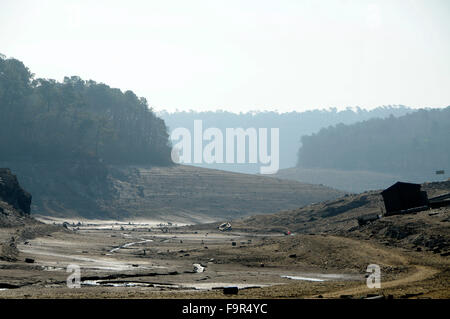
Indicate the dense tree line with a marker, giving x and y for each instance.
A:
(42, 119)
(417, 143)
(292, 125)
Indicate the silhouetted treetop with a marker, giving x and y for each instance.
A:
(42, 119)
(413, 143)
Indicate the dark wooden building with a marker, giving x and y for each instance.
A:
(402, 196)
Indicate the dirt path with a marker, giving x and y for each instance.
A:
(417, 273)
(420, 273)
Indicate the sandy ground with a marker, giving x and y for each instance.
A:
(144, 260)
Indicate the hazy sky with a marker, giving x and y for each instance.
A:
(241, 55)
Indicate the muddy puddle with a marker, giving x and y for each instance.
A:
(143, 241)
(178, 286)
(322, 277)
(221, 285)
(89, 263)
(101, 283)
(303, 278)
(5, 286)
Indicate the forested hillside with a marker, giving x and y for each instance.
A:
(292, 125)
(416, 144)
(42, 119)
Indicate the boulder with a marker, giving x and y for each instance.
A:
(230, 290)
(12, 193)
(198, 268)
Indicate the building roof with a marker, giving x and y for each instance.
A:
(401, 185)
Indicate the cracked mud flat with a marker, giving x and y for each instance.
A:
(148, 262)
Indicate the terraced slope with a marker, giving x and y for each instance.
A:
(198, 195)
(177, 193)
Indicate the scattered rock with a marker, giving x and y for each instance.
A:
(405, 296)
(9, 251)
(436, 251)
(230, 290)
(198, 268)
